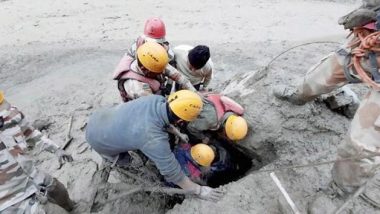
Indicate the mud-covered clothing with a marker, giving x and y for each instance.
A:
(196, 77)
(19, 178)
(222, 160)
(206, 121)
(135, 88)
(136, 125)
(221, 163)
(189, 167)
(53, 199)
(142, 39)
(16, 128)
(31, 205)
(363, 136)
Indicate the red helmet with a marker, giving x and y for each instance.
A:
(155, 28)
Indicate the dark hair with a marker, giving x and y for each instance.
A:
(199, 56)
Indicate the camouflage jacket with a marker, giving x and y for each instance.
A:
(136, 89)
(19, 178)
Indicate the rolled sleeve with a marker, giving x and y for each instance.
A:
(179, 78)
(158, 150)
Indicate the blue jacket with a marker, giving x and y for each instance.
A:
(136, 125)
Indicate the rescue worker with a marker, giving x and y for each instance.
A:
(24, 188)
(201, 161)
(219, 114)
(140, 125)
(195, 64)
(355, 62)
(193, 158)
(154, 31)
(147, 74)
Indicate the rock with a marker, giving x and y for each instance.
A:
(42, 124)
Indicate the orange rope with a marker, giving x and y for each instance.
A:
(364, 42)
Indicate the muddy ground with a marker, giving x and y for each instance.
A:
(57, 57)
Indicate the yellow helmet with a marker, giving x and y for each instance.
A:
(185, 104)
(153, 57)
(1, 97)
(202, 154)
(236, 127)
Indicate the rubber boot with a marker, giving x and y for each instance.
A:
(288, 93)
(57, 193)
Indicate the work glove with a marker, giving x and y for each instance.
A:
(63, 156)
(183, 137)
(206, 140)
(210, 194)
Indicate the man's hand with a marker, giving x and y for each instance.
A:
(206, 140)
(210, 194)
(183, 137)
(63, 156)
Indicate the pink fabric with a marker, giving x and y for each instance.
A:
(123, 66)
(231, 105)
(370, 26)
(224, 104)
(194, 171)
(154, 84)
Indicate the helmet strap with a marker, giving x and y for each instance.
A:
(171, 116)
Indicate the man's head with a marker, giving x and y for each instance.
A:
(185, 105)
(198, 56)
(202, 154)
(235, 127)
(152, 58)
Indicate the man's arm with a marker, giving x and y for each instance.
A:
(34, 138)
(136, 89)
(174, 130)
(158, 150)
(209, 74)
(176, 76)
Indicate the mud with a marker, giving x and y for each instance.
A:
(56, 60)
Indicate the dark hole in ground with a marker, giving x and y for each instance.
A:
(239, 163)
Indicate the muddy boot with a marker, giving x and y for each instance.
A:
(288, 93)
(343, 101)
(57, 194)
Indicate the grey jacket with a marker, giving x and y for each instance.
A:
(136, 125)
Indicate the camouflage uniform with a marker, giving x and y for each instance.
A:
(363, 137)
(136, 89)
(21, 183)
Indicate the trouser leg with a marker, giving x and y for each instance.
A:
(322, 78)
(363, 139)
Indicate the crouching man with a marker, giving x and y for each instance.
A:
(222, 115)
(23, 188)
(141, 125)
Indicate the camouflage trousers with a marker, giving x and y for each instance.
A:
(32, 206)
(363, 137)
(56, 200)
